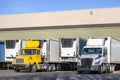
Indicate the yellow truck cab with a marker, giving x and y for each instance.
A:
(29, 58)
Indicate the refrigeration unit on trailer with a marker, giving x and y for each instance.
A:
(99, 54)
(70, 48)
(8, 51)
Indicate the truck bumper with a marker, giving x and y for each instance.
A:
(21, 67)
(92, 68)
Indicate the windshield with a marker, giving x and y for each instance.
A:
(28, 52)
(92, 51)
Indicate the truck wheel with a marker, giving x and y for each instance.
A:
(112, 68)
(53, 67)
(48, 68)
(58, 67)
(33, 68)
(101, 69)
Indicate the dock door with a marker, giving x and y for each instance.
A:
(2, 52)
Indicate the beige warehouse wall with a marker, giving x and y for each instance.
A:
(56, 33)
(75, 17)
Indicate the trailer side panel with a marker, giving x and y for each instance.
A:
(115, 51)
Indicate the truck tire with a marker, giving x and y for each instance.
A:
(48, 68)
(53, 68)
(112, 68)
(58, 67)
(101, 69)
(33, 68)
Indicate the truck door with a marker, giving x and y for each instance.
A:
(105, 54)
(44, 49)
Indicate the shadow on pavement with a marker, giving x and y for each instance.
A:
(63, 76)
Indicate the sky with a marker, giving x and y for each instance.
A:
(32, 6)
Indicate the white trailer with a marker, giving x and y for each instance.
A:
(69, 52)
(9, 50)
(99, 54)
(50, 54)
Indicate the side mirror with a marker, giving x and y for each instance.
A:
(100, 56)
(45, 40)
(40, 52)
(74, 39)
(104, 54)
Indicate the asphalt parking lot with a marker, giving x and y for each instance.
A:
(58, 75)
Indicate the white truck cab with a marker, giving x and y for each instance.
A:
(99, 54)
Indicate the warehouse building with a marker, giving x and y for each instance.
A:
(52, 25)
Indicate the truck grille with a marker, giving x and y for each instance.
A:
(86, 62)
(19, 60)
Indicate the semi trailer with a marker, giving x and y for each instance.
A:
(62, 54)
(50, 55)
(69, 52)
(101, 54)
(9, 49)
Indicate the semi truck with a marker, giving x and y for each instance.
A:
(41, 54)
(69, 52)
(53, 55)
(8, 51)
(101, 54)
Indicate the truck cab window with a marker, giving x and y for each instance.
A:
(28, 52)
(92, 51)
